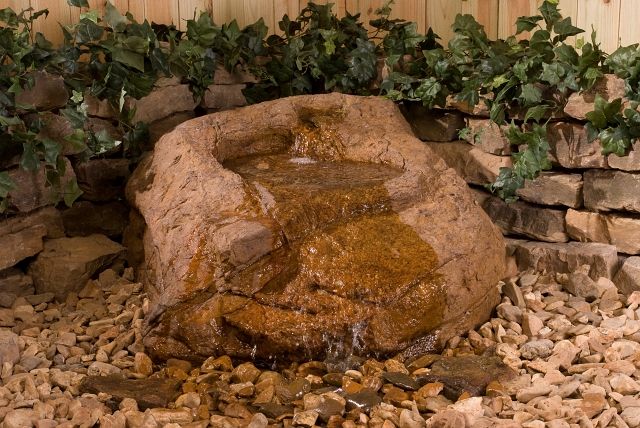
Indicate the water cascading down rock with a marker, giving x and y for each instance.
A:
(304, 227)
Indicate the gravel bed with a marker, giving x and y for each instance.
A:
(568, 353)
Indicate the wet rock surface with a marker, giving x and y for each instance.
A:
(308, 226)
(81, 362)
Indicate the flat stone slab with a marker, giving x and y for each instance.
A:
(149, 393)
(553, 188)
(607, 190)
(66, 264)
(620, 230)
(474, 165)
(564, 257)
(469, 374)
(522, 218)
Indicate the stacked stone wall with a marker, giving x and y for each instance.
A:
(588, 197)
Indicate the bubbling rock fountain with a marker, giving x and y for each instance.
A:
(307, 226)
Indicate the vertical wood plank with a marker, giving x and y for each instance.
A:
(285, 7)
(485, 12)
(510, 10)
(225, 11)
(629, 25)
(59, 12)
(605, 17)
(569, 8)
(162, 12)
(440, 15)
(16, 5)
(136, 8)
(410, 10)
(188, 8)
(256, 9)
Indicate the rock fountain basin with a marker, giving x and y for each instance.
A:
(304, 227)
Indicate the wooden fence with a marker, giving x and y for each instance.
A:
(617, 21)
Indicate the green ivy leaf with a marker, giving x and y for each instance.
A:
(113, 18)
(616, 140)
(527, 23)
(10, 121)
(506, 184)
(428, 90)
(469, 93)
(78, 3)
(88, 31)
(72, 192)
(497, 113)
(130, 58)
(91, 16)
(549, 11)
(77, 97)
(567, 53)
(9, 17)
(604, 113)
(564, 29)
(530, 94)
(622, 60)
(362, 61)
(552, 73)
(6, 184)
(77, 139)
(30, 160)
(536, 113)
(592, 132)
(51, 149)
(75, 117)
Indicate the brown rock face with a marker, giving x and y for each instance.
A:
(521, 218)
(66, 264)
(472, 164)
(571, 149)
(611, 190)
(305, 226)
(623, 231)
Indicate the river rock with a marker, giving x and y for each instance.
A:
(234, 264)
(9, 347)
(66, 264)
(623, 231)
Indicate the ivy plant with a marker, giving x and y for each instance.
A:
(22, 53)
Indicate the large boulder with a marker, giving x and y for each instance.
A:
(339, 231)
